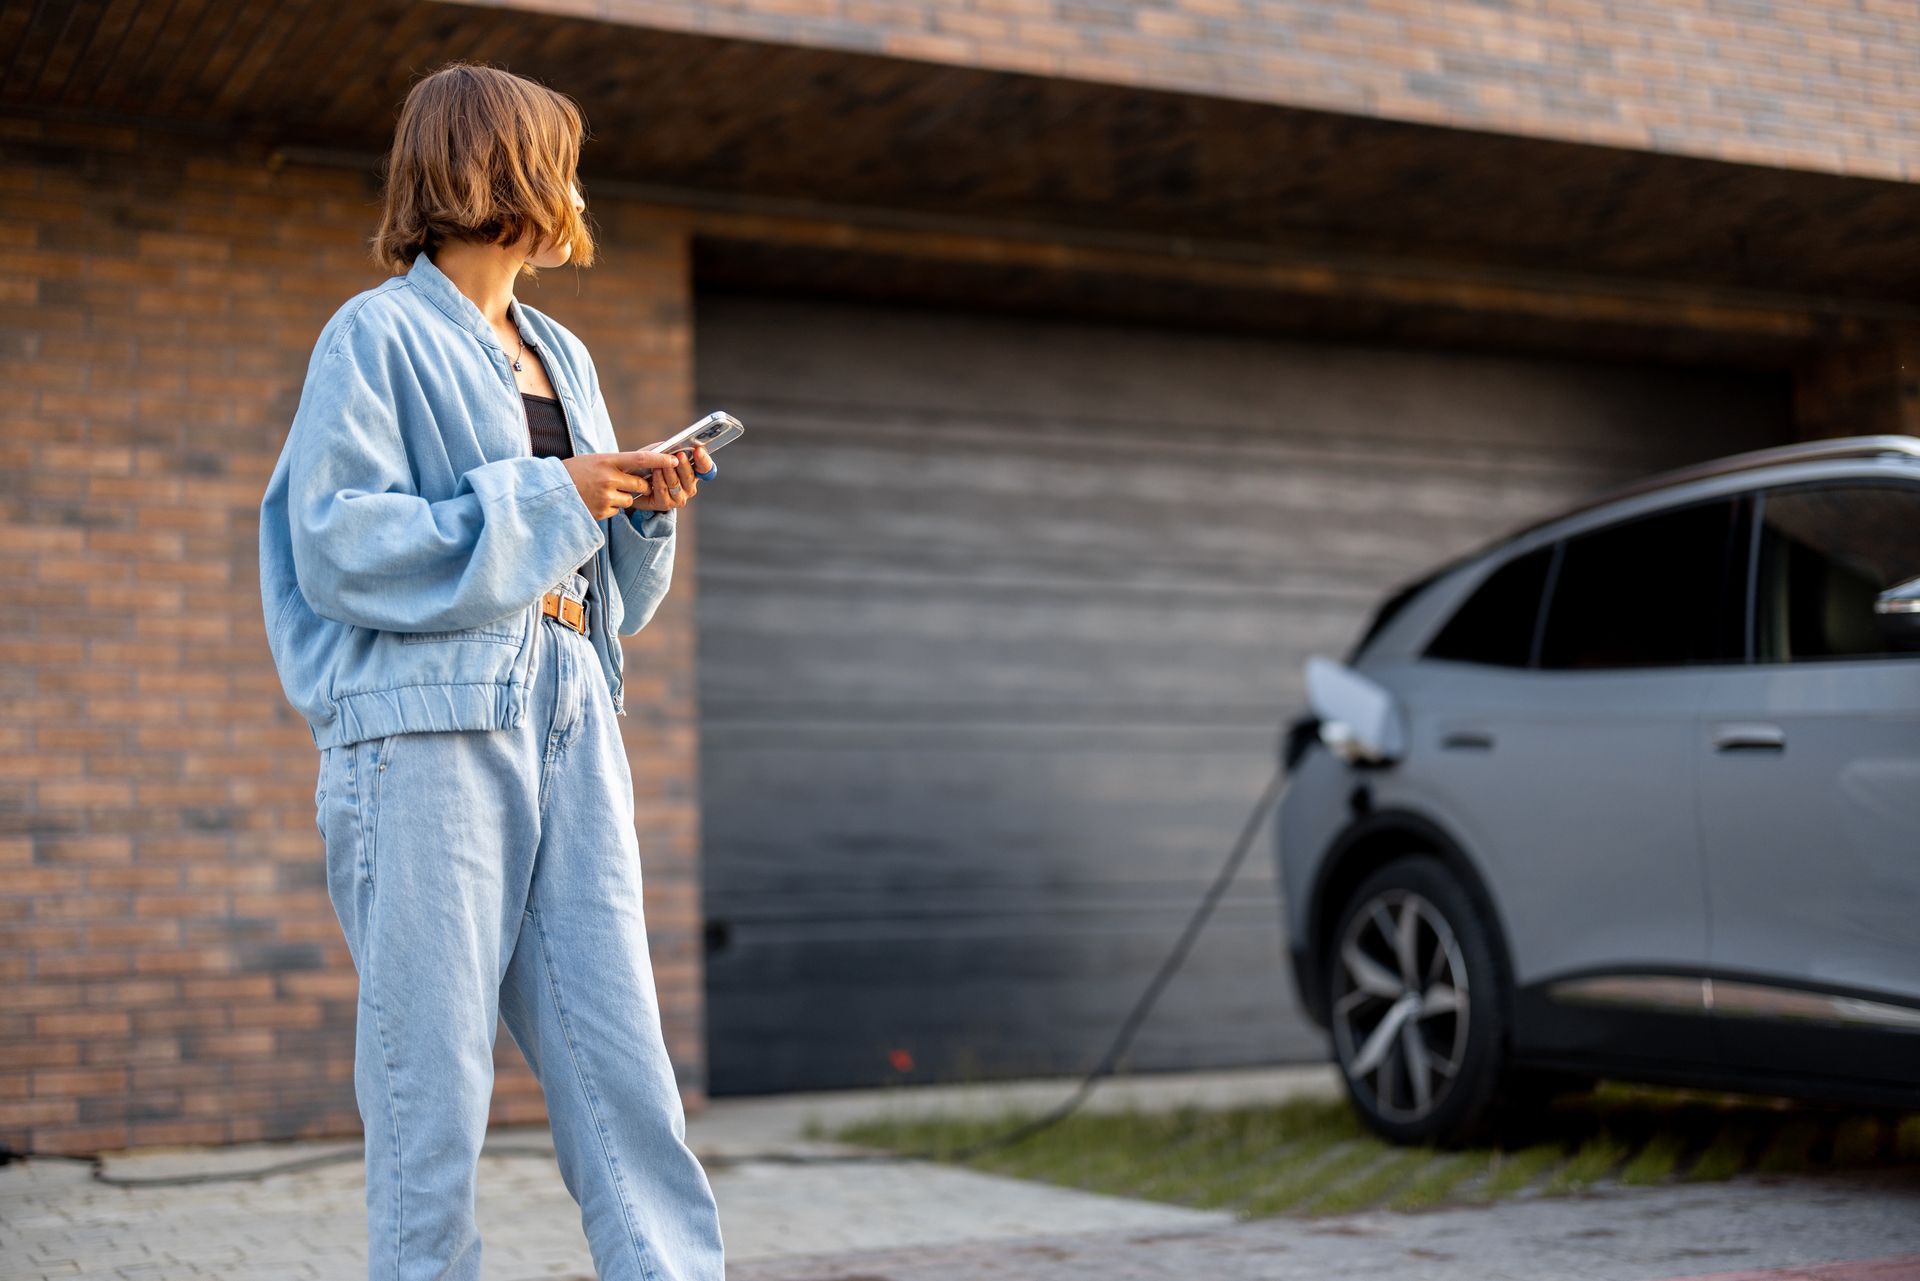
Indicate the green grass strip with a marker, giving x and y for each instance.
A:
(1302, 1181)
(1314, 1156)
(1249, 1147)
(1856, 1141)
(1432, 1185)
(1513, 1171)
(1790, 1150)
(1224, 1165)
(1230, 1185)
(1655, 1161)
(1371, 1184)
(1726, 1155)
(1595, 1159)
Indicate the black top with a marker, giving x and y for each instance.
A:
(547, 424)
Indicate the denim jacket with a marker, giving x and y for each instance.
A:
(408, 532)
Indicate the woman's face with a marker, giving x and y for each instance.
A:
(557, 255)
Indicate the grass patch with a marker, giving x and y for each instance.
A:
(1436, 1180)
(1790, 1147)
(1726, 1155)
(1370, 1186)
(1508, 1173)
(1656, 1161)
(1856, 1141)
(1313, 1156)
(1592, 1161)
(1294, 1183)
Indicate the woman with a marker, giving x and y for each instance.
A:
(445, 580)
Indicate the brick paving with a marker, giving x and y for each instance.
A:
(921, 1222)
(1798, 1229)
(57, 1221)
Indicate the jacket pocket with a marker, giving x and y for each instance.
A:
(386, 672)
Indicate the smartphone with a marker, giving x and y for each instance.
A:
(716, 429)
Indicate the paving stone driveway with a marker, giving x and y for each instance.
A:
(1762, 1229)
(920, 1222)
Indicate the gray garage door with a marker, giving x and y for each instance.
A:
(999, 621)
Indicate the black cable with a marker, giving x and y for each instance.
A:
(1141, 1007)
(1129, 1027)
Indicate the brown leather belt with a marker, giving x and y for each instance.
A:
(573, 613)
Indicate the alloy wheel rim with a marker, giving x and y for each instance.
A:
(1400, 1009)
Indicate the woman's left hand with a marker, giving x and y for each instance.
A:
(669, 489)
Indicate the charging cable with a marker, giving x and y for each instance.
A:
(1123, 1038)
(1141, 1007)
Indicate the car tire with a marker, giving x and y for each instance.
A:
(1419, 1036)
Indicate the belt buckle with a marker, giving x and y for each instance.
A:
(570, 612)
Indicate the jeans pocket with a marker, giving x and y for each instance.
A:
(337, 814)
(320, 792)
(372, 756)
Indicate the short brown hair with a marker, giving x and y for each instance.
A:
(481, 154)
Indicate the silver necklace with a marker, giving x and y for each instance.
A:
(520, 353)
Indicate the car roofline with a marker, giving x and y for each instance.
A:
(1837, 449)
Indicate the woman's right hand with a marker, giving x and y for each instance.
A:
(610, 483)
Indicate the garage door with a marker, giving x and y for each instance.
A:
(999, 622)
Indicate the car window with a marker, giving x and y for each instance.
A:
(1387, 613)
(1826, 551)
(1497, 623)
(1664, 590)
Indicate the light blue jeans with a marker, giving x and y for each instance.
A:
(488, 874)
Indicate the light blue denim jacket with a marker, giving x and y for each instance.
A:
(408, 532)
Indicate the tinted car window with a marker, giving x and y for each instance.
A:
(1388, 611)
(1826, 551)
(1497, 623)
(1662, 591)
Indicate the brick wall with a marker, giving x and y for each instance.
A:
(170, 966)
(1819, 84)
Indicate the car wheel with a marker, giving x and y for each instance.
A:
(1414, 1005)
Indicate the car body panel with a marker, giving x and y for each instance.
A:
(1812, 849)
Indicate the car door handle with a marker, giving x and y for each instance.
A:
(1749, 737)
(1467, 740)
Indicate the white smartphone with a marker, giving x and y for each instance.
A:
(716, 429)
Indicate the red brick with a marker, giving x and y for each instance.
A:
(84, 1023)
(82, 964)
(79, 1082)
(81, 1139)
(37, 1111)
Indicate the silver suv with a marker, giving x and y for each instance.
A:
(1635, 793)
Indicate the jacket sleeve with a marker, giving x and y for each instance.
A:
(370, 551)
(642, 541)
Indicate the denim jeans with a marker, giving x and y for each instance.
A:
(489, 874)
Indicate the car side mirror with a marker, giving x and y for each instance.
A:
(1897, 610)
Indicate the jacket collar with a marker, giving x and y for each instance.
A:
(446, 295)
